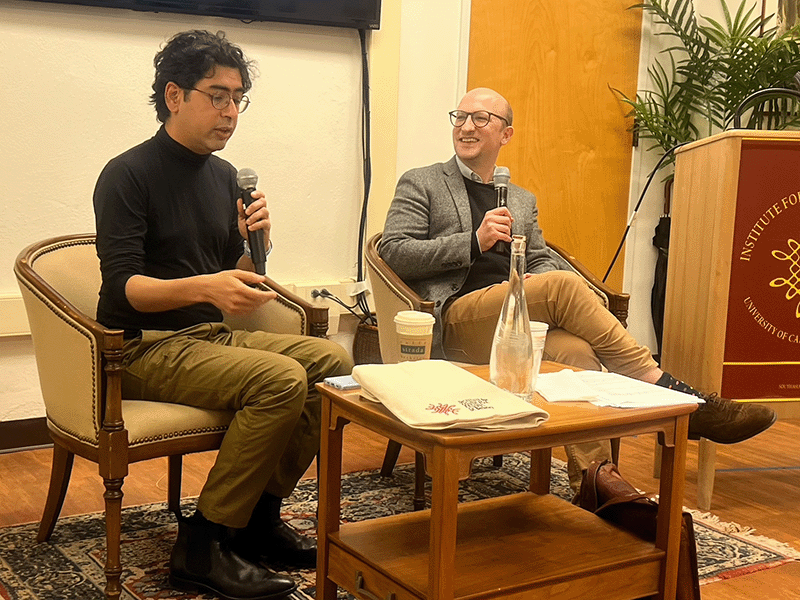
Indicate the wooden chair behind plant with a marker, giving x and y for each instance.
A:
(770, 108)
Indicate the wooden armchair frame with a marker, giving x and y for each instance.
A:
(80, 369)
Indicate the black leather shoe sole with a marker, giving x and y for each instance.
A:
(187, 585)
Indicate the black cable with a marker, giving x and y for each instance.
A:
(323, 293)
(361, 297)
(638, 204)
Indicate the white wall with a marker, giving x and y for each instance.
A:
(434, 42)
(83, 76)
(20, 397)
(640, 254)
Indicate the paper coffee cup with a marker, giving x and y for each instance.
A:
(538, 335)
(415, 333)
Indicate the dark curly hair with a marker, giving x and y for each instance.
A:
(189, 57)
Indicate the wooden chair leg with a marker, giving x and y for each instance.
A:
(497, 461)
(706, 457)
(390, 458)
(113, 569)
(615, 451)
(174, 472)
(540, 471)
(657, 460)
(419, 481)
(59, 481)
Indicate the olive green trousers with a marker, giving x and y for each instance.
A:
(266, 379)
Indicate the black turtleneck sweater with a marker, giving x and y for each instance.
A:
(165, 212)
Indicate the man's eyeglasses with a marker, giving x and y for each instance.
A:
(480, 118)
(221, 100)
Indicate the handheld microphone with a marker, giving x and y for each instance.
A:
(501, 178)
(247, 179)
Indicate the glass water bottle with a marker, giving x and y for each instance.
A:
(511, 362)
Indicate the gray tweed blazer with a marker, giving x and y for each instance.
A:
(428, 234)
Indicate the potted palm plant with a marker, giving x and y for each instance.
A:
(710, 68)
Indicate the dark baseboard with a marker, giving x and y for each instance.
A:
(23, 433)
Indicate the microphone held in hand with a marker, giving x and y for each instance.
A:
(247, 179)
(501, 178)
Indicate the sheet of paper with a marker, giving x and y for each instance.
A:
(620, 391)
(563, 386)
(608, 389)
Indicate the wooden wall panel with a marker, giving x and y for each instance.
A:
(555, 61)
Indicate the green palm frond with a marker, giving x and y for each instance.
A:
(713, 66)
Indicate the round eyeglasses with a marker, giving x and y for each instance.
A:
(221, 100)
(480, 118)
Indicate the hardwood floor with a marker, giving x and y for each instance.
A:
(757, 484)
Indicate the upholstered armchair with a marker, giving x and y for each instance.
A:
(80, 373)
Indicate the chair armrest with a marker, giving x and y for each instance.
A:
(73, 351)
(391, 295)
(616, 302)
(398, 287)
(288, 313)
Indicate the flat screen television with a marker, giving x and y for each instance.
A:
(358, 14)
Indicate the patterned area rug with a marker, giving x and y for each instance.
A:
(70, 566)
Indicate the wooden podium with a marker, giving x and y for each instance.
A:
(732, 313)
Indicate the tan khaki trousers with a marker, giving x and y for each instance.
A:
(267, 379)
(582, 334)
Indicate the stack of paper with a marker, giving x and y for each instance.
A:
(607, 389)
(435, 394)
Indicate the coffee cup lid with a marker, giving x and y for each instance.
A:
(537, 326)
(414, 317)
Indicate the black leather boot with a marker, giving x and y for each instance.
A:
(202, 559)
(269, 539)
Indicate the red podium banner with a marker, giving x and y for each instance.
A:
(762, 341)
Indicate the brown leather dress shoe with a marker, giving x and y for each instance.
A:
(727, 422)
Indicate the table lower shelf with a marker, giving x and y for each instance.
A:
(521, 545)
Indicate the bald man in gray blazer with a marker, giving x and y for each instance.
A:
(428, 235)
(440, 237)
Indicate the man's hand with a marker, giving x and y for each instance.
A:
(233, 291)
(255, 216)
(230, 291)
(496, 226)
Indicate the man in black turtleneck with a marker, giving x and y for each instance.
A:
(171, 234)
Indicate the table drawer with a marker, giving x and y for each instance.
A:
(362, 580)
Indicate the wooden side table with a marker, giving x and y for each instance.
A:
(531, 544)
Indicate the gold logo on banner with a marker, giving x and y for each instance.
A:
(793, 281)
